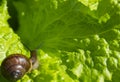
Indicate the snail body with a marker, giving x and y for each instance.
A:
(16, 66)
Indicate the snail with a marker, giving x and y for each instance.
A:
(15, 66)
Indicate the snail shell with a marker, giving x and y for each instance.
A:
(15, 66)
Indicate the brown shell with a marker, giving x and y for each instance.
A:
(15, 66)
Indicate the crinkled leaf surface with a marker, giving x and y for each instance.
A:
(49, 24)
(86, 34)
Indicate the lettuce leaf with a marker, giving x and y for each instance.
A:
(78, 40)
(51, 23)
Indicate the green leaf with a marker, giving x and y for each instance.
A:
(50, 24)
